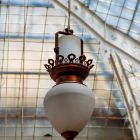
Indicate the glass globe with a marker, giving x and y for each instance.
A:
(69, 106)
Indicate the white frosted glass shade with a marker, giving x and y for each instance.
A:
(69, 44)
(69, 106)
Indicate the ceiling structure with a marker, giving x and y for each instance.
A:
(121, 14)
(27, 29)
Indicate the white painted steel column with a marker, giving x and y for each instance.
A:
(129, 100)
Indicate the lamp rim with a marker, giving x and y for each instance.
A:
(69, 72)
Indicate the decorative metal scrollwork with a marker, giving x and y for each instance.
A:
(71, 59)
(59, 59)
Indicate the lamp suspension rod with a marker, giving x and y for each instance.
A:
(69, 7)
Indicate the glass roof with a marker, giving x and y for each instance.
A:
(121, 14)
(27, 29)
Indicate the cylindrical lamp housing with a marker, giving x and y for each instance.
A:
(69, 44)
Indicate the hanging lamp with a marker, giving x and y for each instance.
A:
(69, 103)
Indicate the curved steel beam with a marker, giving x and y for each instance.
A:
(24, 3)
(85, 37)
(110, 38)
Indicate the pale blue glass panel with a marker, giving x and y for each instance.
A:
(103, 7)
(93, 4)
(135, 27)
(137, 16)
(118, 2)
(16, 10)
(139, 7)
(115, 10)
(124, 24)
(127, 13)
(112, 20)
(131, 4)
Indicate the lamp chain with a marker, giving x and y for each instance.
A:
(69, 7)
